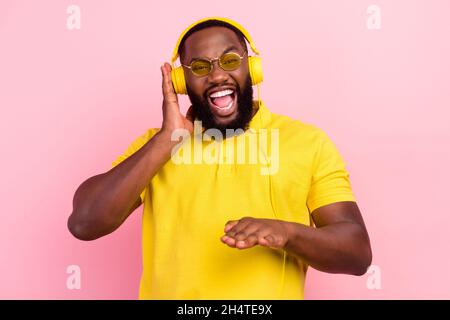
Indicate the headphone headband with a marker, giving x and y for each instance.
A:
(229, 21)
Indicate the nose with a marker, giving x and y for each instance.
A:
(217, 74)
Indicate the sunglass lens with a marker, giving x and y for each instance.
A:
(201, 67)
(230, 61)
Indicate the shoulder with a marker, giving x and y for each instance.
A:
(148, 134)
(297, 130)
(138, 142)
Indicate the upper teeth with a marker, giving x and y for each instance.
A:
(221, 93)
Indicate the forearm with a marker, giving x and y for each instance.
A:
(339, 248)
(103, 202)
(125, 182)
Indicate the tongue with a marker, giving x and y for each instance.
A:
(222, 102)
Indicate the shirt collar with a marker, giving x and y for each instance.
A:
(262, 117)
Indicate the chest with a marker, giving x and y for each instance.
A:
(227, 181)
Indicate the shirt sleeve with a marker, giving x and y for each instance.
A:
(133, 147)
(330, 179)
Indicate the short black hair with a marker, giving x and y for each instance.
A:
(208, 24)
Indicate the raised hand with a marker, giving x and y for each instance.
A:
(172, 117)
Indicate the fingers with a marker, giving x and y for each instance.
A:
(233, 227)
(248, 232)
(244, 233)
(248, 242)
(229, 227)
(228, 241)
(167, 87)
(230, 224)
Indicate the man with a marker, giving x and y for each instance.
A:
(214, 227)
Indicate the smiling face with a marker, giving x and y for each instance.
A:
(222, 99)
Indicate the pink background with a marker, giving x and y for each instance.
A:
(71, 102)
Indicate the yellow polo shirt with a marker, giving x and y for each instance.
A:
(291, 169)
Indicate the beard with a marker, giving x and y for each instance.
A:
(201, 110)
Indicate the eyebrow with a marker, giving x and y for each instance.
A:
(230, 48)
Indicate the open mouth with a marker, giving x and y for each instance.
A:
(223, 102)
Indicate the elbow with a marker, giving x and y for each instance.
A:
(363, 261)
(85, 231)
(78, 230)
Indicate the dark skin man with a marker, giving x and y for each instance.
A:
(338, 243)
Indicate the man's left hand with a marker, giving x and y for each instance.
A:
(248, 232)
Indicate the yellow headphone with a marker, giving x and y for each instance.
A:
(254, 62)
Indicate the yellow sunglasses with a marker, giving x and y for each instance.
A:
(229, 61)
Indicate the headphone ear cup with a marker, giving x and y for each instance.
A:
(178, 80)
(255, 69)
